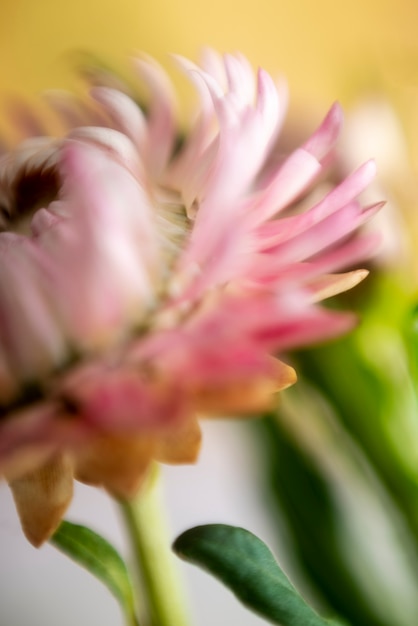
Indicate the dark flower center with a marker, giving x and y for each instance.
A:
(30, 191)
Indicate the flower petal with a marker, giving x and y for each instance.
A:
(125, 114)
(246, 396)
(321, 142)
(161, 133)
(331, 285)
(116, 462)
(180, 445)
(42, 498)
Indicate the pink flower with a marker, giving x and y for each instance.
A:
(142, 284)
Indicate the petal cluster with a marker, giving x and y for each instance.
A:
(146, 280)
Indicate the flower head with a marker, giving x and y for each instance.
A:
(143, 283)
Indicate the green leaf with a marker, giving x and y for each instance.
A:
(247, 567)
(101, 559)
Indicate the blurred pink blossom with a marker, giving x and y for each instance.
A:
(143, 283)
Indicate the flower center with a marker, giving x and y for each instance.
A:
(173, 224)
(29, 191)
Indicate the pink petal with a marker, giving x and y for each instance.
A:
(119, 399)
(321, 142)
(107, 251)
(125, 114)
(161, 122)
(323, 234)
(114, 143)
(31, 338)
(312, 325)
(240, 78)
(290, 181)
(264, 272)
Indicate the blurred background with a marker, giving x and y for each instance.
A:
(330, 480)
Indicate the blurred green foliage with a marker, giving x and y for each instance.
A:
(342, 463)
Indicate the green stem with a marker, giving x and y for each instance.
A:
(133, 620)
(145, 522)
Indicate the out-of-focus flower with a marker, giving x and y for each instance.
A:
(143, 282)
(396, 180)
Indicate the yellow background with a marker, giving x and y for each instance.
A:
(327, 48)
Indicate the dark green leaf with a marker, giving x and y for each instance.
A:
(247, 567)
(100, 558)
